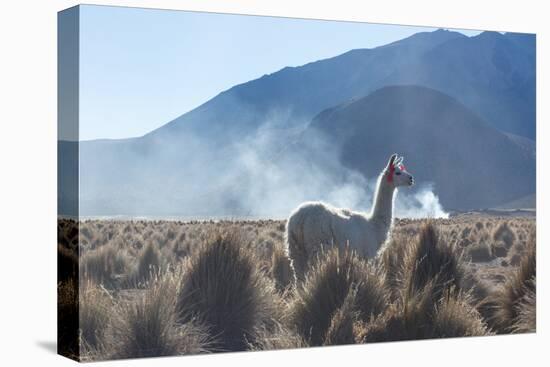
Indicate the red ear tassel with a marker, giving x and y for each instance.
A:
(390, 173)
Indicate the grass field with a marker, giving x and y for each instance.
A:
(150, 288)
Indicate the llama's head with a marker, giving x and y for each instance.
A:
(396, 174)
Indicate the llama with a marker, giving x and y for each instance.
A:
(314, 224)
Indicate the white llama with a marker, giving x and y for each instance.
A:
(314, 224)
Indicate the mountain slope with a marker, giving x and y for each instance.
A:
(493, 74)
(292, 96)
(471, 164)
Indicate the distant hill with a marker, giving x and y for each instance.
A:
(493, 74)
(526, 202)
(472, 164)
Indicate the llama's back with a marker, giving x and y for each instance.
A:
(307, 228)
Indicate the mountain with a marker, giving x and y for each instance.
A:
(195, 156)
(292, 96)
(493, 74)
(471, 164)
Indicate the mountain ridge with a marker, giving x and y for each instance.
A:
(271, 93)
(398, 118)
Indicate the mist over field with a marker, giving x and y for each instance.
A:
(265, 175)
(269, 179)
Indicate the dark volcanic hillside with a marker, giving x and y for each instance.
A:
(471, 164)
(493, 74)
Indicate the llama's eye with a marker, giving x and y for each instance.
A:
(397, 173)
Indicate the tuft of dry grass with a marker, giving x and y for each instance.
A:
(147, 327)
(390, 261)
(95, 308)
(430, 291)
(422, 315)
(280, 270)
(149, 263)
(276, 338)
(526, 320)
(223, 287)
(431, 259)
(480, 252)
(335, 274)
(341, 330)
(503, 233)
(455, 317)
(409, 264)
(507, 301)
(499, 250)
(104, 265)
(406, 319)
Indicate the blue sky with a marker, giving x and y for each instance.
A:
(141, 68)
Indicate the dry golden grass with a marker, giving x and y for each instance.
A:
(278, 337)
(147, 325)
(168, 288)
(514, 302)
(341, 329)
(430, 294)
(430, 258)
(68, 339)
(337, 277)
(225, 289)
(95, 310)
(526, 318)
(281, 270)
(105, 265)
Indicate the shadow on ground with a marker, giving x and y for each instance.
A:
(48, 345)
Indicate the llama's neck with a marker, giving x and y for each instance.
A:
(382, 207)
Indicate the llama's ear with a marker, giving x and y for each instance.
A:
(392, 160)
(398, 161)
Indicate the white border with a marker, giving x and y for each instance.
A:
(28, 180)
